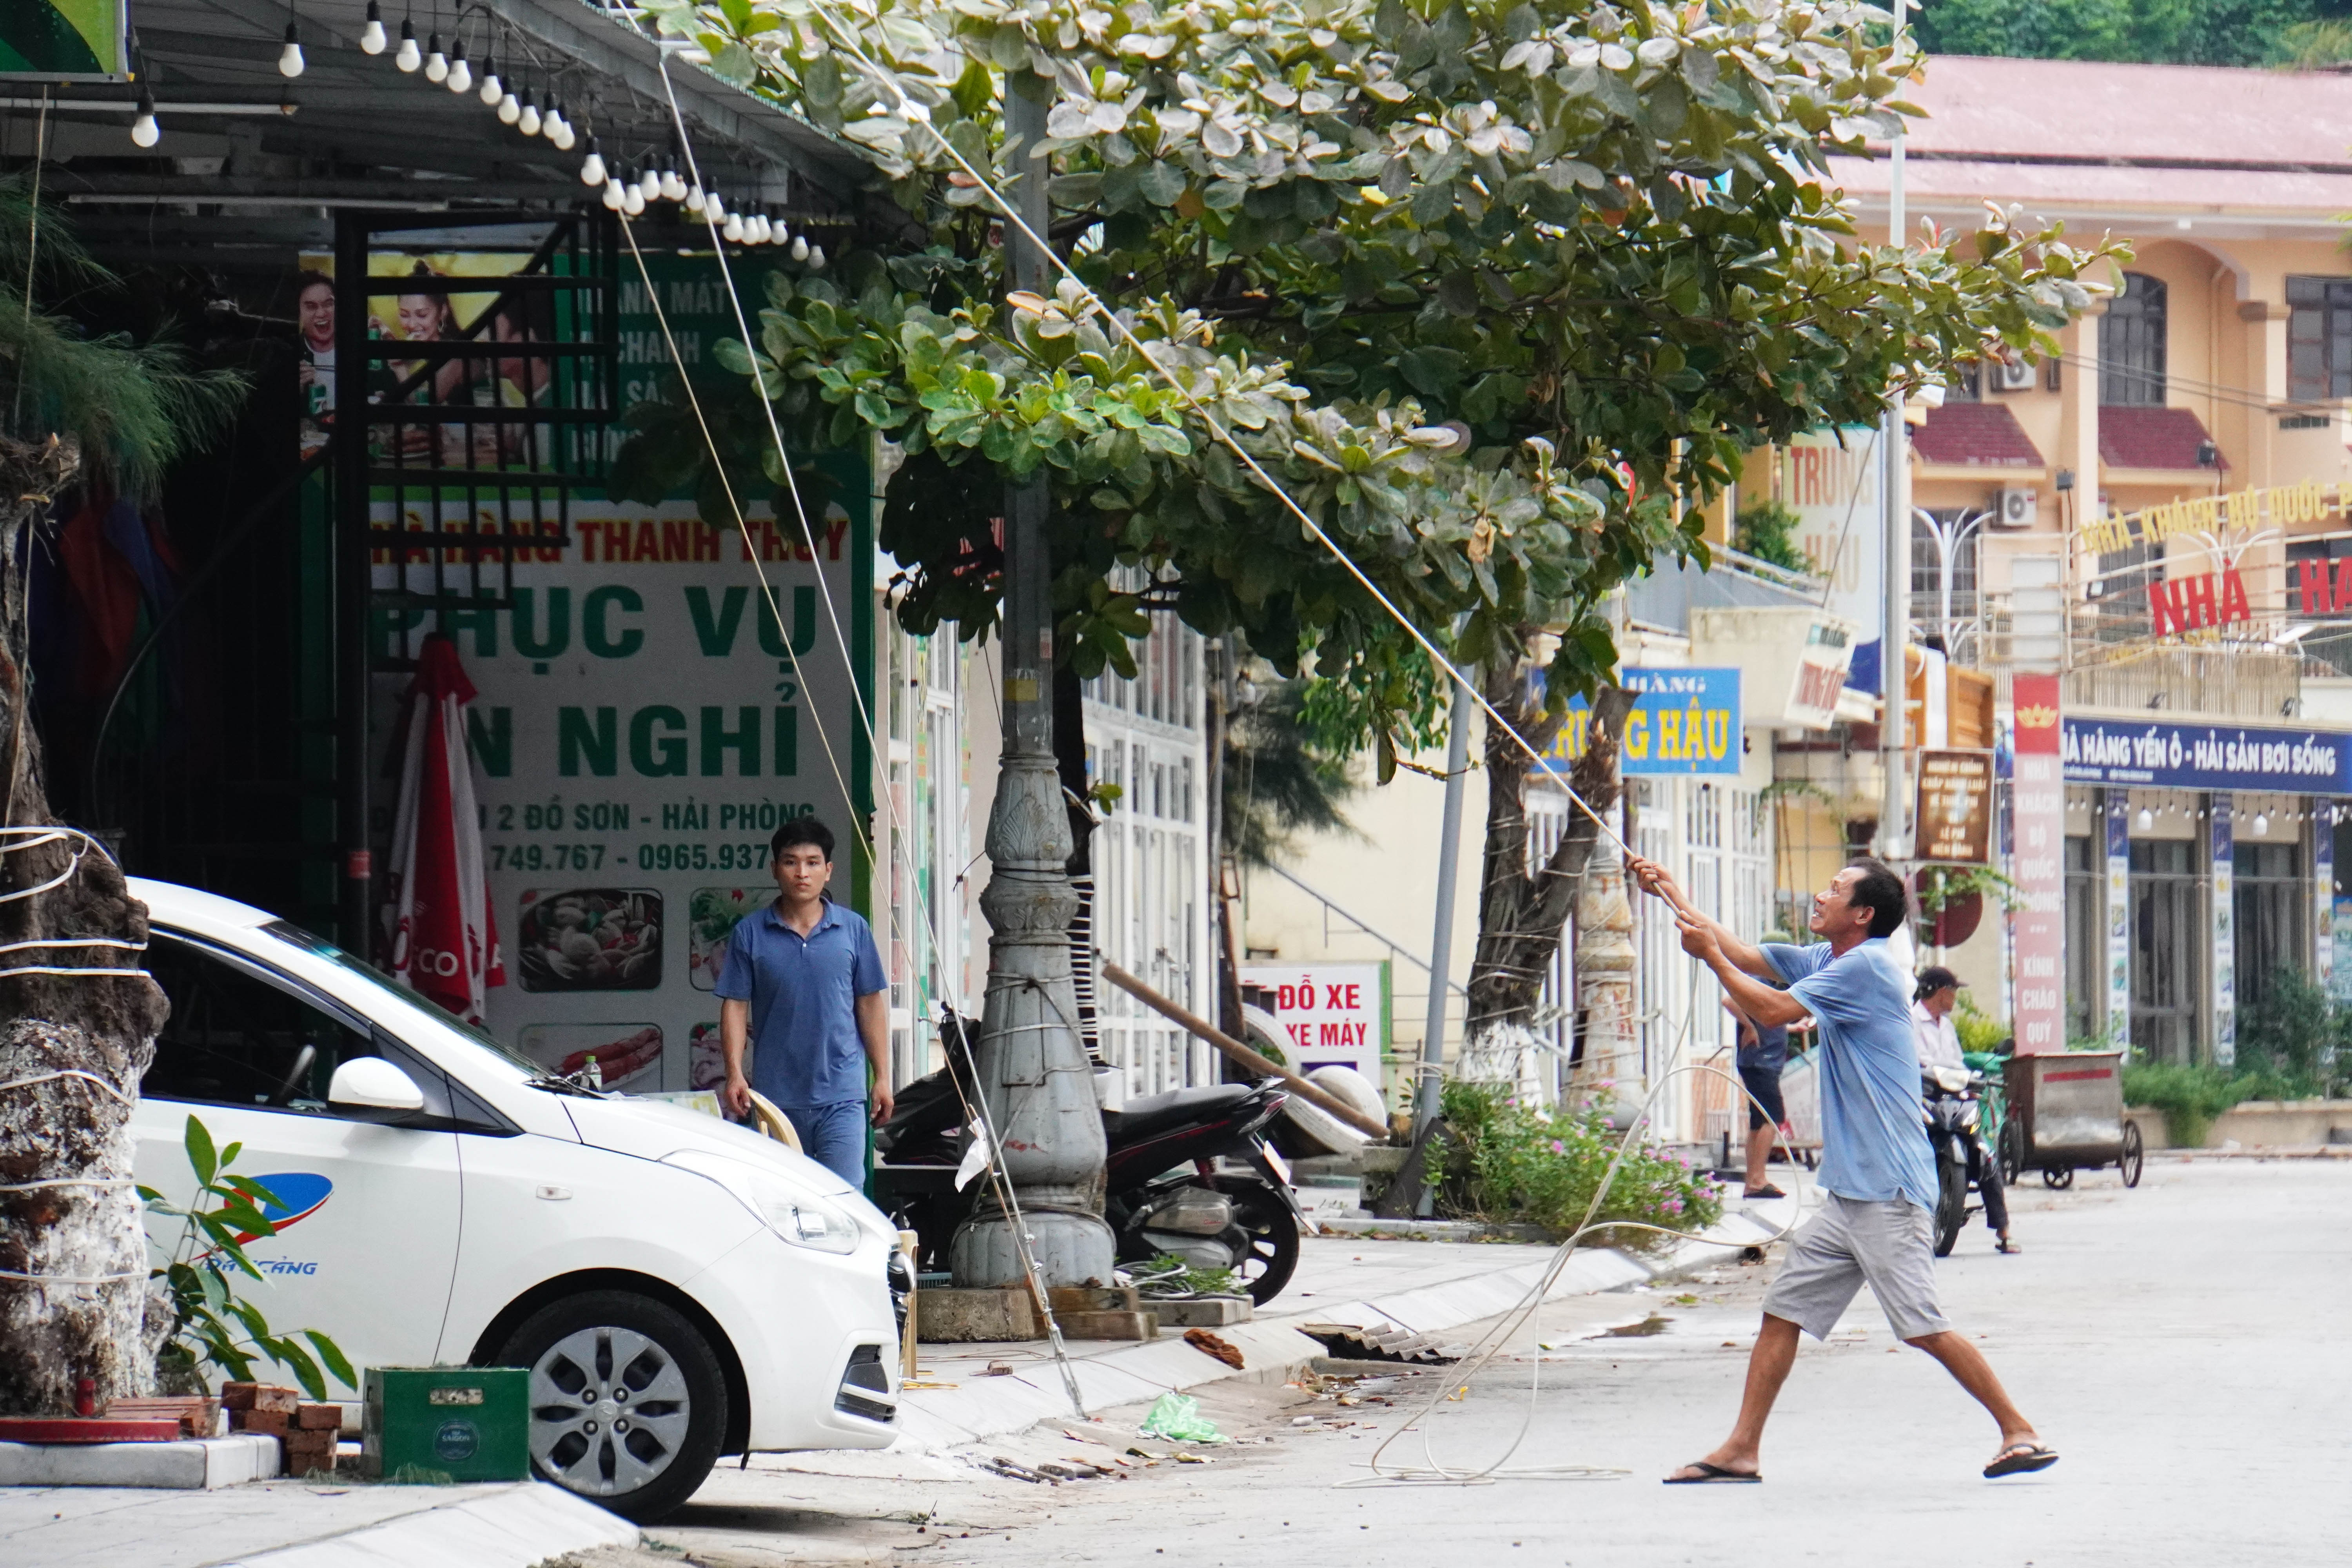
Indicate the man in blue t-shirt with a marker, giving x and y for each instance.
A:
(1875, 1226)
(803, 982)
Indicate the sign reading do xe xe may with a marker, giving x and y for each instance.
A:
(1684, 721)
(1331, 1015)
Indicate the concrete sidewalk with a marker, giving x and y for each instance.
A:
(1424, 1287)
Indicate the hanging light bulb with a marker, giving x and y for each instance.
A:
(732, 229)
(494, 87)
(633, 196)
(2261, 823)
(817, 257)
(592, 169)
(509, 108)
(649, 183)
(289, 59)
(529, 120)
(461, 75)
(713, 209)
(437, 64)
(613, 200)
(371, 38)
(2147, 819)
(555, 127)
(800, 247)
(694, 199)
(673, 185)
(409, 56)
(755, 228)
(144, 132)
(561, 136)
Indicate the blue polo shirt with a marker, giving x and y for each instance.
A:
(803, 991)
(1872, 1145)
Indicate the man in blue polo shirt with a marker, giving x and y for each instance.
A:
(803, 981)
(1874, 1227)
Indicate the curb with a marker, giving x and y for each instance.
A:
(932, 1420)
(516, 1527)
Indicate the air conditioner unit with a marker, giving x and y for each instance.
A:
(2015, 509)
(2011, 375)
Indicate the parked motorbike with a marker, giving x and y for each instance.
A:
(1951, 1105)
(1189, 1173)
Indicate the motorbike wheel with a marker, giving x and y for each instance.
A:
(2135, 1149)
(1951, 1200)
(1273, 1232)
(2011, 1153)
(2061, 1178)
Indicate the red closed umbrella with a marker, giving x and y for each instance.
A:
(445, 938)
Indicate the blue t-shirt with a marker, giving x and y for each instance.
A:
(803, 991)
(1874, 1145)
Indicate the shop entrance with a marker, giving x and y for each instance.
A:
(2167, 962)
(2270, 901)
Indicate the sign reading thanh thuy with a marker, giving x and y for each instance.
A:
(1683, 721)
(1956, 806)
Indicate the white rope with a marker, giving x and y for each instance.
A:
(71, 1072)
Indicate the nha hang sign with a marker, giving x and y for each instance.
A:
(2206, 756)
(1683, 721)
(2197, 604)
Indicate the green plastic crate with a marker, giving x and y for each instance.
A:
(447, 1423)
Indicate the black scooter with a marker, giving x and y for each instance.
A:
(1948, 1102)
(1189, 1173)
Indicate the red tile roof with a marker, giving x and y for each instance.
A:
(2151, 439)
(1978, 434)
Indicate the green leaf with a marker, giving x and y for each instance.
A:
(332, 1355)
(198, 1140)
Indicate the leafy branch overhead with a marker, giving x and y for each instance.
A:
(1347, 226)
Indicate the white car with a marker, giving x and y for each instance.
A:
(679, 1288)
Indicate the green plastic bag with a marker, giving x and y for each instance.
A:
(1178, 1416)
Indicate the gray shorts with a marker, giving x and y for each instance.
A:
(1889, 1246)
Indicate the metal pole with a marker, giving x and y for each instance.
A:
(1895, 487)
(353, 569)
(1032, 1064)
(1441, 952)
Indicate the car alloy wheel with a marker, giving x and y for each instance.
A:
(610, 1411)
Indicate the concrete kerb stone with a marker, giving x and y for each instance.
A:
(516, 1527)
(194, 1463)
(932, 1420)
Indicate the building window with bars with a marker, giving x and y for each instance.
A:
(2131, 344)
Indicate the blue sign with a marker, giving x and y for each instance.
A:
(2206, 756)
(1685, 721)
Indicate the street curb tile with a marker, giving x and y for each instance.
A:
(525, 1524)
(932, 1420)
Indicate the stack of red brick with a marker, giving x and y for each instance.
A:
(306, 1432)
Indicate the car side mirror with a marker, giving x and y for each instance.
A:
(370, 1088)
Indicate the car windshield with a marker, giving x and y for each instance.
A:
(310, 943)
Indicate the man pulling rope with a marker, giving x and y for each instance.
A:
(1876, 1226)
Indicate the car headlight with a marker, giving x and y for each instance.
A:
(798, 1216)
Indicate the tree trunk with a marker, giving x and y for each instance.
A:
(1523, 911)
(74, 1298)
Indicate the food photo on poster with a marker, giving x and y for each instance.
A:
(591, 939)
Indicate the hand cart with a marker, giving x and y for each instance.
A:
(2066, 1113)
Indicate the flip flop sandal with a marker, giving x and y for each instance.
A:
(1713, 1475)
(2021, 1457)
(1766, 1190)
(2004, 1245)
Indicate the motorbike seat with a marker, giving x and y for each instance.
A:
(1156, 1112)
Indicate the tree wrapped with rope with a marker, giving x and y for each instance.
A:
(77, 1016)
(1599, 243)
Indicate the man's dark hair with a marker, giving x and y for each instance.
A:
(1879, 890)
(801, 830)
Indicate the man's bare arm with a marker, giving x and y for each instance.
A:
(1655, 878)
(1764, 1005)
(734, 1030)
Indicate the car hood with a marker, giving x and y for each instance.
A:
(655, 1129)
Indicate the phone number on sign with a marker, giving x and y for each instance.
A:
(649, 857)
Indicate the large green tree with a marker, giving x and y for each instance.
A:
(1494, 291)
